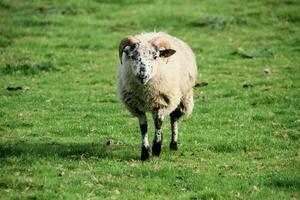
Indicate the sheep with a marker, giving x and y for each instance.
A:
(157, 73)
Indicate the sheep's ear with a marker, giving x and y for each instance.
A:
(166, 52)
(127, 41)
(128, 48)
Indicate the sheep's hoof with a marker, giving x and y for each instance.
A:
(156, 148)
(145, 153)
(174, 146)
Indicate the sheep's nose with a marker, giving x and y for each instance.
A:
(142, 76)
(142, 73)
(143, 69)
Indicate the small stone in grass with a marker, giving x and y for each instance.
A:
(255, 188)
(247, 85)
(61, 173)
(109, 142)
(267, 71)
(26, 88)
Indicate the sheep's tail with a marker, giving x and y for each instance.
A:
(199, 85)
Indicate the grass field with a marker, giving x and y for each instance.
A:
(58, 103)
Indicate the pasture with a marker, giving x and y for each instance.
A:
(65, 135)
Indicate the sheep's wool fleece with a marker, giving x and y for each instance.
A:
(172, 85)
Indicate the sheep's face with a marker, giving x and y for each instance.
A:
(144, 60)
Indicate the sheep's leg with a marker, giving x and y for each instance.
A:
(158, 137)
(175, 115)
(145, 149)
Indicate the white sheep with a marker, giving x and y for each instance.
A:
(157, 74)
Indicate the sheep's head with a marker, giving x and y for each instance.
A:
(144, 57)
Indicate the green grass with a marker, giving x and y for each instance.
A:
(240, 142)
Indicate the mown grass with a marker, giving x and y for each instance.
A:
(58, 103)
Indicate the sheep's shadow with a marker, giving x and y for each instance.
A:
(69, 150)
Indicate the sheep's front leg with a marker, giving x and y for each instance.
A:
(158, 137)
(145, 149)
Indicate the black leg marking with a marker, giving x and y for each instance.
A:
(156, 148)
(174, 146)
(144, 128)
(158, 138)
(175, 115)
(145, 149)
(145, 153)
(158, 122)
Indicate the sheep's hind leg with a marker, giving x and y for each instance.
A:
(158, 137)
(145, 149)
(175, 115)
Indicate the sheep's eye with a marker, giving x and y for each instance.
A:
(154, 56)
